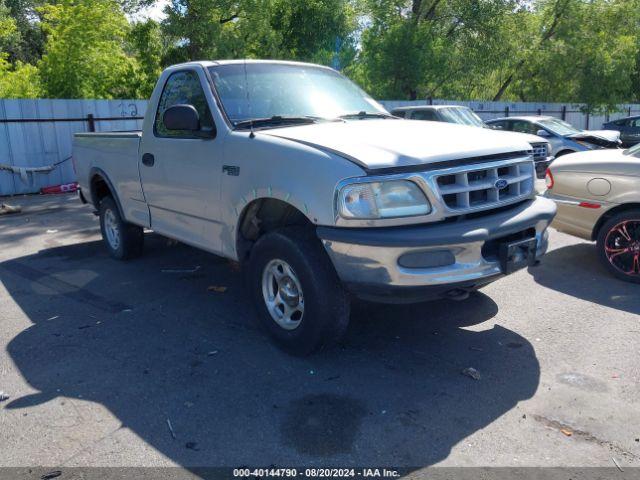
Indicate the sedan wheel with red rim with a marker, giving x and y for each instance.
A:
(619, 245)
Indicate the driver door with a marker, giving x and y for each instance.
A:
(180, 172)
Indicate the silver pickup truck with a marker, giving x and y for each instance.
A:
(316, 190)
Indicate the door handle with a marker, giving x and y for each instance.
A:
(148, 159)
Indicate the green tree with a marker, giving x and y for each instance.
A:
(19, 80)
(208, 29)
(145, 41)
(581, 52)
(313, 30)
(420, 48)
(29, 39)
(84, 53)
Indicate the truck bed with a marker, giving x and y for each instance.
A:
(115, 154)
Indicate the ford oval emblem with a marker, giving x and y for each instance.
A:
(501, 183)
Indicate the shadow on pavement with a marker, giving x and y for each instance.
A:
(576, 271)
(151, 345)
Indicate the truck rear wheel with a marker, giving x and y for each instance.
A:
(123, 240)
(299, 297)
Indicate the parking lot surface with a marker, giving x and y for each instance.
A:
(159, 361)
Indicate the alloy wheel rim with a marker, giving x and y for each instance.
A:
(622, 247)
(111, 229)
(282, 293)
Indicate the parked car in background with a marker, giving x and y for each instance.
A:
(629, 129)
(316, 190)
(598, 198)
(542, 152)
(563, 136)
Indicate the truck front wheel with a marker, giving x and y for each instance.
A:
(123, 240)
(300, 300)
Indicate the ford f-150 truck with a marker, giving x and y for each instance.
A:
(296, 173)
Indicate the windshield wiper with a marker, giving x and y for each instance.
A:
(364, 114)
(276, 120)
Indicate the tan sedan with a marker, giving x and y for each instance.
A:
(598, 198)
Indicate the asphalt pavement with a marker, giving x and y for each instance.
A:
(159, 361)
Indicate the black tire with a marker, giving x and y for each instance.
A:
(130, 241)
(607, 239)
(326, 304)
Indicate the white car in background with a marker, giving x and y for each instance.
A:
(542, 151)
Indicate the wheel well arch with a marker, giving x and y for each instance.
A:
(261, 216)
(100, 186)
(611, 213)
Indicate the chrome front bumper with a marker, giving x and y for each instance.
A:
(460, 254)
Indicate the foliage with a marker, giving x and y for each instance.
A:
(84, 55)
(19, 81)
(314, 30)
(569, 51)
(145, 41)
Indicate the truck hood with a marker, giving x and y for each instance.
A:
(378, 143)
(527, 137)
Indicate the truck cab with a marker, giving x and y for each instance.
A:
(319, 193)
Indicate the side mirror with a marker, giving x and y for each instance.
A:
(181, 117)
(542, 133)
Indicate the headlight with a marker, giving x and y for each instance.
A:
(392, 198)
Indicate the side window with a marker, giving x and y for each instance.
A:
(635, 122)
(501, 125)
(424, 115)
(523, 127)
(182, 88)
(399, 113)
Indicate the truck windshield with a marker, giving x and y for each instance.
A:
(262, 91)
(461, 115)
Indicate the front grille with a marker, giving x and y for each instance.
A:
(472, 189)
(540, 151)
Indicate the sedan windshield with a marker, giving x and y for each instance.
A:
(559, 127)
(461, 115)
(288, 93)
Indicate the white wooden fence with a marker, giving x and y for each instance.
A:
(36, 133)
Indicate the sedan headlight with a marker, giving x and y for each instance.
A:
(387, 199)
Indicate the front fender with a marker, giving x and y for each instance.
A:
(272, 167)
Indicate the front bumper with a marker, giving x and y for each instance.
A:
(390, 264)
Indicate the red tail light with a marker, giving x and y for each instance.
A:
(548, 177)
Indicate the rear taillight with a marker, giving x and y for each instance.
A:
(548, 177)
